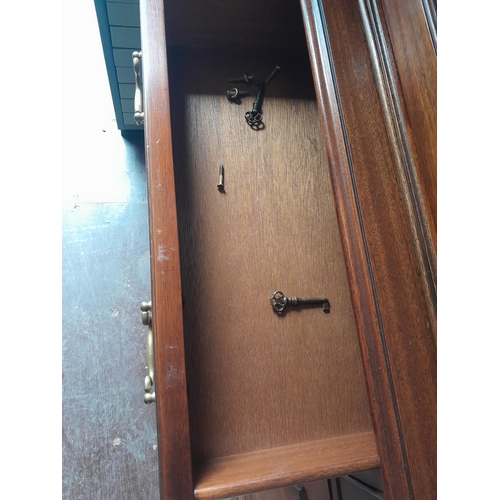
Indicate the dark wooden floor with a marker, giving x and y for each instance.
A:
(109, 436)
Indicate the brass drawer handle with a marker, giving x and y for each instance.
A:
(138, 111)
(149, 394)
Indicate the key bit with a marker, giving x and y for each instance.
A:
(279, 301)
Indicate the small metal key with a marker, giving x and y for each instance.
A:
(279, 302)
(254, 117)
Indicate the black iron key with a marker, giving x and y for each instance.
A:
(279, 302)
(254, 117)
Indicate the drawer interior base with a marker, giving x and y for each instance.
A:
(273, 468)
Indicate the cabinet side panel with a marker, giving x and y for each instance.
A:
(394, 320)
(415, 56)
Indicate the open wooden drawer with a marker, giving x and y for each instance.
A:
(247, 399)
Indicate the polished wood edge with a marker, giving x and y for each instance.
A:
(385, 80)
(383, 403)
(283, 466)
(174, 447)
(410, 37)
(431, 18)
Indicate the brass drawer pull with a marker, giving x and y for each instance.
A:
(149, 394)
(138, 111)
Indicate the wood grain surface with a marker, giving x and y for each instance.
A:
(257, 380)
(402, 145)
(276, 467)
(411, 37)
(396, 324)
(168, 338)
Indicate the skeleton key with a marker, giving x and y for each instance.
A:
(279, 302)
(254, 117)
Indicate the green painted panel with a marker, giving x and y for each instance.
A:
(127, 105)
(128, 119)
(125, 75)
(102, 19)
(129, 38)
(123, 57)
(123, 14)
(127, 90)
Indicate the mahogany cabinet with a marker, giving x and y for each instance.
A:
(332, 195)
